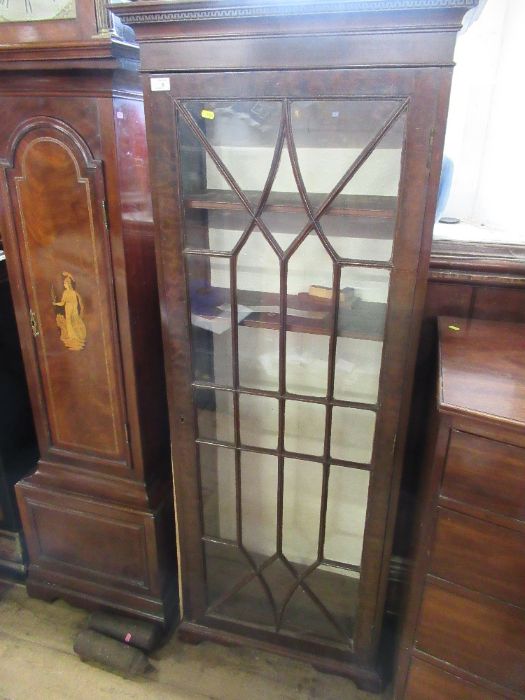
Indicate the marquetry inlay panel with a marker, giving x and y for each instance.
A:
(55, 198)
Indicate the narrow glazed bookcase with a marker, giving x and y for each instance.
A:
(295, 154)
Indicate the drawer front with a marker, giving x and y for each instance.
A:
(479, 555)
(486, 474)
(480, 635)
(426, 682)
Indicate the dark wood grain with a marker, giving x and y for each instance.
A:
(426, 681)
(176, 343)
(482, 556)
(493, 303)
(494, 260)
(486, 473)
(476, 633)
(487, 360)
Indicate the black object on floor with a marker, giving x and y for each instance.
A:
(117, 656)
(138, 633)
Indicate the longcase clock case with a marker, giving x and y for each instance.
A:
(77, 225)
(295, 152)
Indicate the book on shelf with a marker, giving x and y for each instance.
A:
(325, 294)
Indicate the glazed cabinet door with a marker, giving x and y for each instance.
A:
(59, 250)
(292, 233)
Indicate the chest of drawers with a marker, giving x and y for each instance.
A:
(464, 627)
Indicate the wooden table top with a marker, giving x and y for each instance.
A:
(482, 369)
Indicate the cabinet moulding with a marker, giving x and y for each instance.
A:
(229, 12)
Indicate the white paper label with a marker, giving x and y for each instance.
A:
(159, 84)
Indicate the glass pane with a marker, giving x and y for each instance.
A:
(304, 427)
(346, 514)
(362, 314)
(214, 414)
(259, 420)
(301, 510)
(243, 135)
(310, 277)
(310, 280)
(360, 222)
(250, 604)
(330, 134)
(259, 503)
(357, 370)
(258, 284)
(284, 212)
(359, 237)
(352, 434)
(217, 472)
(224, 566)
(338, 590)
(224, 229)
(307, 364)
(208, 283)
(364, 294)
(280, 580)
(284, 225)
(305, 618)
(258, 355)
(208, 224)
(378, 177)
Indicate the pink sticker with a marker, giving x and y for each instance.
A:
(127, 638)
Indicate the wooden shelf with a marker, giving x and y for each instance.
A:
(291, 203)
(364, 320)
(354, 226)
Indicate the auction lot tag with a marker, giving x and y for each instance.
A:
(159, 84)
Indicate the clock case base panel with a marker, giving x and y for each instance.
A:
(98, 533)
(113, 556)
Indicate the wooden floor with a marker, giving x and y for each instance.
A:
(37, 662)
